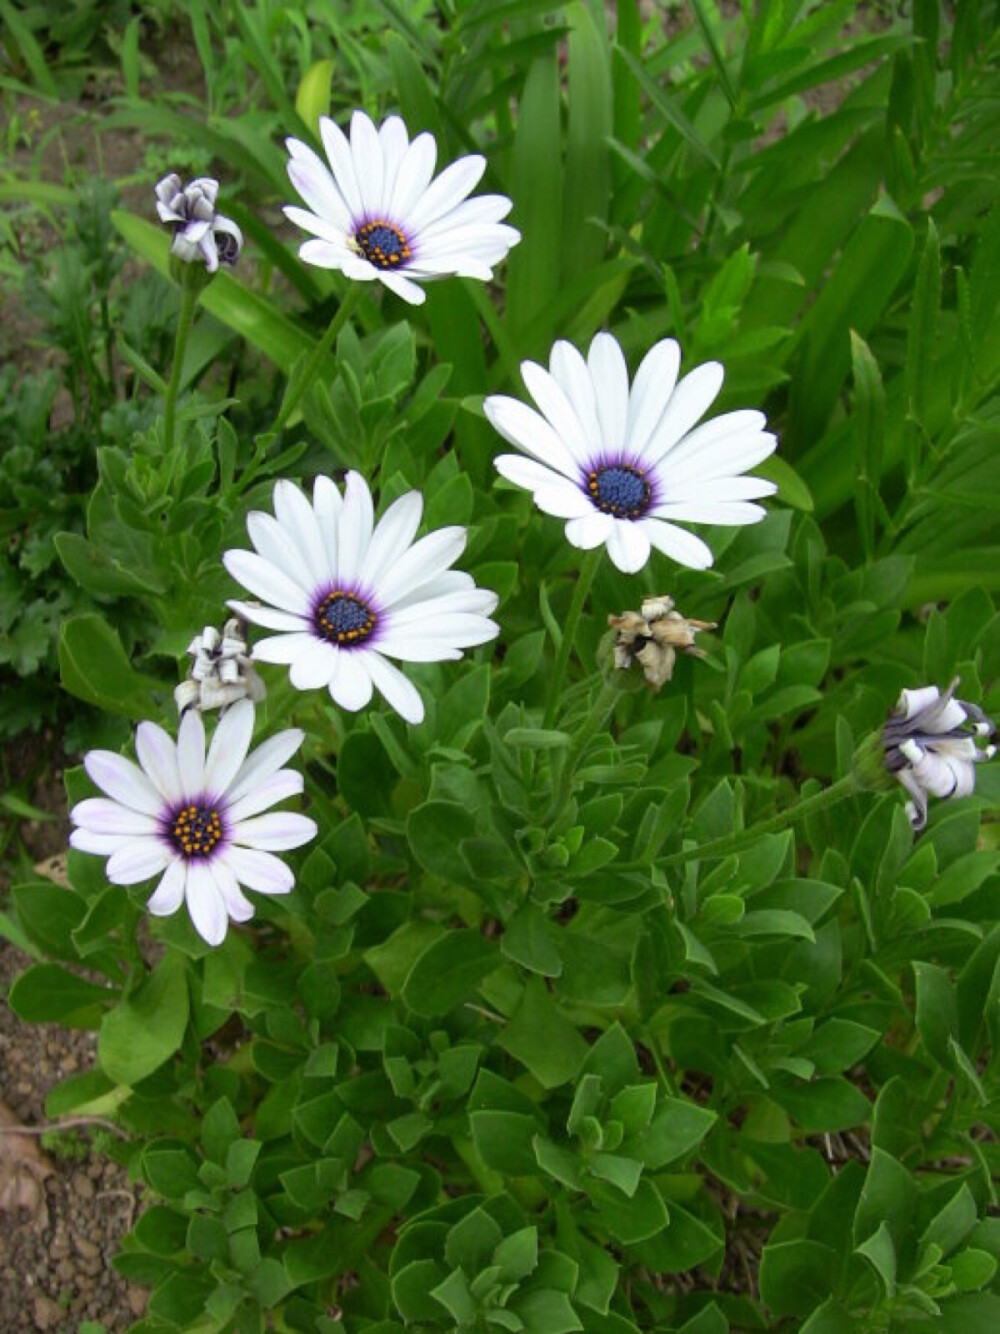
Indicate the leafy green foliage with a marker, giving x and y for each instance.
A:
(614, 1023)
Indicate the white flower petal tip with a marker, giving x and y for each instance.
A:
(377, 212)
(624, 465)
(932, 744)
(185, 813)
(366, 592)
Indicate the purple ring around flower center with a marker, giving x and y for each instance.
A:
(383, 244)
(196, 827)
(345, 617)
(619, 486)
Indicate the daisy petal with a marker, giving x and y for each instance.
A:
(606, 363)
(402, 287)
(238, 907)
(425, 559)
(327, 503)
(268, 617)
(267, 792)
(678, 544)
(168, 895)
(690, 400)
(530, 432)
(651, 390)
(350, 686)
(260, 871)
(229, 747)
(355, 529)
(206, 904)
(123, 781)
(450, 188)
(413, 176)
(102, 816)
(284, 648)
(191, 753)
(399, 693)
(590, 531)
(136, 860)
(628, 546)
(267, 759)
(266, 581)
(277, 832)
(338, 151)
(158, 756)
(102, 845)
(314, 666)
(394, 532)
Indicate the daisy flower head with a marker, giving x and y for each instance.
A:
(196, 817)
(200, 233)
(625, 465)
(932, 744)
(345, 594)
(376, 214)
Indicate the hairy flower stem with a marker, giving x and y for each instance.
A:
(189, 298)
(724, 847)
(305, 376)
(588, 568)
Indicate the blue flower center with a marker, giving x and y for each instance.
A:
(382, 244)
(195, 831)
(342, 618)
(619, 489)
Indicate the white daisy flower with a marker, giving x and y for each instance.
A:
(623, 465)
(376, 213)
(346, 594)
(196, 818)
(931, 746)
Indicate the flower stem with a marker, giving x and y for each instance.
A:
(588, 568)
(723, 847)
(189, 298)
(305, 377)
(600, 711)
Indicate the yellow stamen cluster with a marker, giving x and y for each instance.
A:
(374, 238)
(343, 618)
(196, 830)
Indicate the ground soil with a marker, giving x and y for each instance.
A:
(63, 1205)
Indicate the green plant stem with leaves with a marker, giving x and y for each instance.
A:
(724, 847)
(305, 375)
(189, 299)
(588, 569)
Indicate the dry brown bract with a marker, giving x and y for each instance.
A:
(653, 636)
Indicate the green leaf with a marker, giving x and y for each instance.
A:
(449, 971)
(147, 1026)
(854, 296)
(542, 1038)
(634, 1220)
(48, 994)
(796, 1276)
(530, 940)
(824, 1105)
(888, 1196)
(678, 1127)
(868, 420)
(534, 266)
(94, 667)
(880, 1253)
(312, 99)
(587, 177)
(49, 914)
(936, 1010)
(433, 831)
